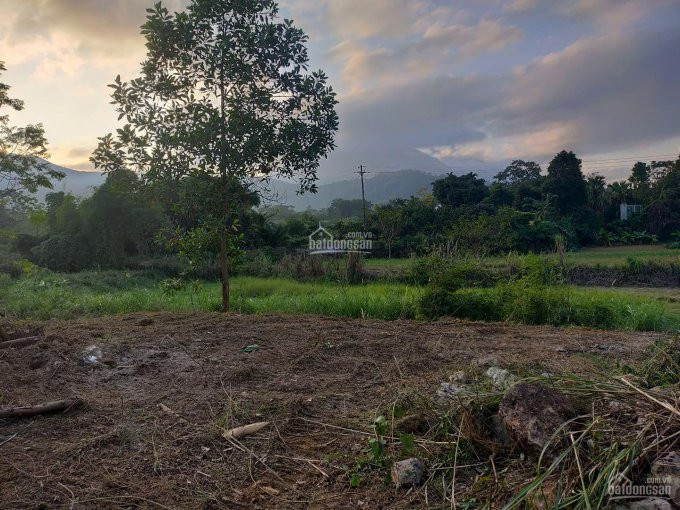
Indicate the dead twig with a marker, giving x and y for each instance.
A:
(169, 411)
(58, 406)
(245, 430)
(19, 342)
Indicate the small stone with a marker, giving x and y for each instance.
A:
(645, 504)
(459, 377)
(92, 355)
(486, 361)
(533, 413)
(667, 470)
(500, 378)
(450, 390)
(408, 473)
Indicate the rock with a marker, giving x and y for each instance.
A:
(92, 355)
(486, 361)
(408, 473)
(460, 377)
(666, 469)
(450, 390)
(146, 321)
(532, 414)
(645, 504)
(500, 378)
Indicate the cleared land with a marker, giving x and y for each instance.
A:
(307, 376)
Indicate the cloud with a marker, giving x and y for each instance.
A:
(603, 94)
(439, 45)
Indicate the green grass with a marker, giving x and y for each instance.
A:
(386, 263)
(109, 292)
(615, 256)
(555, 305)
(95, 293)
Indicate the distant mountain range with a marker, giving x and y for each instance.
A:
(380, 187)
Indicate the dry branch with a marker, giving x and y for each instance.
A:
(172, 412)
(19, 342)
(245, 430)
(57, 406)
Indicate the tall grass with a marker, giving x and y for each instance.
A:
(110, 292)
(47, 295)
(557, 306)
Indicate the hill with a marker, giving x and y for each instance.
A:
(379, 188)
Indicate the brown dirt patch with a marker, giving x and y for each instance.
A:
(125, 452)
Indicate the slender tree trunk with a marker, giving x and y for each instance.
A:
(224, 268)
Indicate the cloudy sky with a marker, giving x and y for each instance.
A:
(429, 84)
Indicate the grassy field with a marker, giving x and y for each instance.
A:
(97, 293)
(111, 292)
(614, 256)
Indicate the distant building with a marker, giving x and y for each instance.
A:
(628, 210)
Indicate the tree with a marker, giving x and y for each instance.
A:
(640, 175)
(565, 180)
(596, 187)
(341, 208)
(21, 170)
(519, 171)
(224, 93)
(454, 190)
(619, 192)
(389, 218)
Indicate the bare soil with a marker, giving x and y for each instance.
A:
(319, 381)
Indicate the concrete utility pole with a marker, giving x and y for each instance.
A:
(363, 172)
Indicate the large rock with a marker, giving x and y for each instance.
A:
(408, 473)
(666, 469)
(645, 504)
(500, 378)
(532, 414)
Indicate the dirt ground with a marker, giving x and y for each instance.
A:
(319, 381)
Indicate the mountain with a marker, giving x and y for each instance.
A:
(79, 183)
(379, 188)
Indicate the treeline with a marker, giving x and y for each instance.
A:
(522, 210)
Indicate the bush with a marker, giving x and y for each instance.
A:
(527, 303)
(437, 302)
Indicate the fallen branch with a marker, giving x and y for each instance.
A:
(19, 342)
(59, 406)
(245, 430)
(169, 411)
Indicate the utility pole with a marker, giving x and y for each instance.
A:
(363, 172)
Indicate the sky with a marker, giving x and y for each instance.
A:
(432, 85)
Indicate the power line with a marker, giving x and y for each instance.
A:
(363, 172)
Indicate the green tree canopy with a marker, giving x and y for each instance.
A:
(565, 181)
(22, 169)
(519, 171)
(224, 92)
(454, 190)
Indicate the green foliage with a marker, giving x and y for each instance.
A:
(527, 303)
(566, 182)
(22, 152)
(454, 190)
